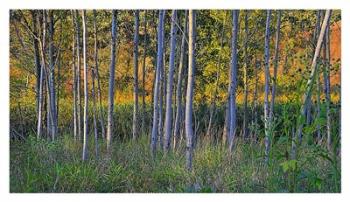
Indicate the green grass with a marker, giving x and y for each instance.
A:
(43, 166)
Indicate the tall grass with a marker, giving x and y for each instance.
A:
(43, 166)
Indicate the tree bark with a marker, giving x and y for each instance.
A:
(267, 88)
(93, 72)
(86, 95)
(135, 130)
(179, 86)
(245, 77)
(309, 86)
(233, 81)
(144, 75)
(42, 75)
(111, 81)
(77, 25)
(327, 86)
(74, 70)
(160, 36)
(51, 80)
(97, 76)
(169, 94)
(190, 85)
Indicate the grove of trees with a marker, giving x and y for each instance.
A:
(203, 93)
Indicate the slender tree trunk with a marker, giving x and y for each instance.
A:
(245, 77)
(74, 70)
(157, 82)
(169, 94)
(111, 81)
(77, 25)
(327, 86)
(179, 86)
(42, 75)
(36, 57)
(309, 86)
(51, 81)
(135, 129)
(144, 75)
(162, 94)
(274, 80)
(98, 77)
(86, 95)
(93, 72)
(233, 81)
(267, 88)
(190, 85)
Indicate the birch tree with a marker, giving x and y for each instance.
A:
(169, 94)
(136, 80)
(86, 95)
(111, 80)
(144, 74)
(297, 138)
(267, 86)
(326, 78)
(190, 85)
(77, 28)
(179, 85)
(160, 39)
(245, 77)
(233, 81)
(51, 78)
(74, 70)
(42, 44)
(97, 76)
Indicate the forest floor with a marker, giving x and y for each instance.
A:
(44, 166)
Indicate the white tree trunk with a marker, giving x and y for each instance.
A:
(267, 87)
(309, 86)
(111, 81)
(86, 95)
(190, 85)
(233, 81)
(160, 39)
(169, 94)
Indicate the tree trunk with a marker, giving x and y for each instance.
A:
(51, 80)
(111, 81)
(36, 57)
(309, 86)
(77, 25)
(93, 72)
(86, 95)
(274, 80)
(267, 88)
(169, 94)
(179, 86)
(233, 81)
(42, 75)
(154, 135)
(135, 123)
(245, 77)
(144, 75)
(327, 86)
(98, 77)
(74, 70)
(190, 85)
